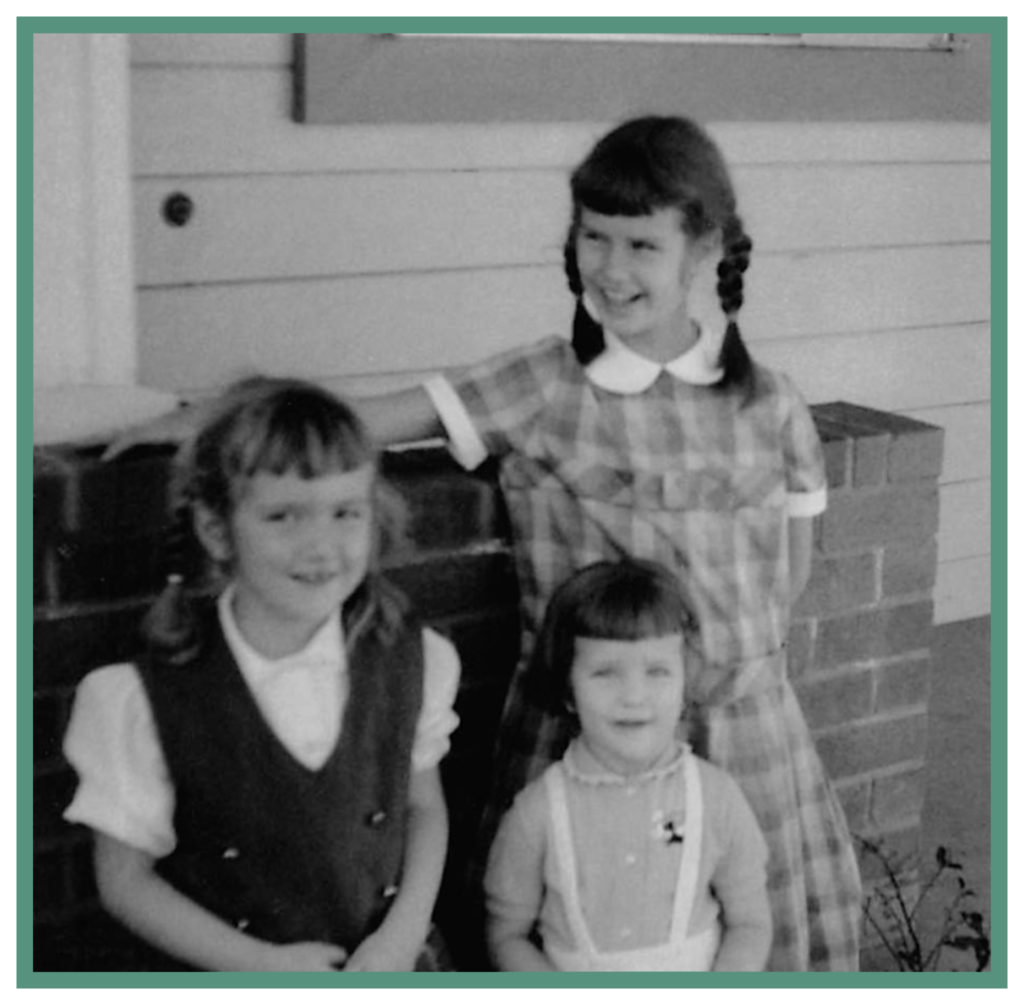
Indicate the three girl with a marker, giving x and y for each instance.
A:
(262, 783)
(629, 853)
(653, 433)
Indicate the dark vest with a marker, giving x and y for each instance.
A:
(282, 852)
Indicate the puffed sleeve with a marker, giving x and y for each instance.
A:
(437, 719)
(802, 454)
(490, 407)
(124, 788)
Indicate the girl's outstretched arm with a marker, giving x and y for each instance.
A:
(396, 417)
(396, 944)
(147, 904)
(399, 416)
(173, 427)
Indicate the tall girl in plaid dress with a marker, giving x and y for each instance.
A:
(653, 433)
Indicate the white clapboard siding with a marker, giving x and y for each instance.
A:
(337, 224)
(965, 525)
(351, 224)
(967, 451)
(963, 589)
(196, 336)
(827, 292)
(237, 119)
(889, 370)
(366, 256)
(824, 205)
(199, 336)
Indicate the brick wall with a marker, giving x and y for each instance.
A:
(859, 645)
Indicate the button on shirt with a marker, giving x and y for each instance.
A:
(628, 871)
(124, 786)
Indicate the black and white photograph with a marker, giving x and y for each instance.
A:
(515, 501)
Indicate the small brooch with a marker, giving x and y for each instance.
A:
(669, 831)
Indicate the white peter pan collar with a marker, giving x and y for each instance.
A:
(624, 371)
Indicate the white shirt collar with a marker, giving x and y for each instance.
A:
(325, 648)
(624, 371)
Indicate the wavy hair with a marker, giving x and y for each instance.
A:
(275, 426)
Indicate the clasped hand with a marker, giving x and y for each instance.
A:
(379, 952)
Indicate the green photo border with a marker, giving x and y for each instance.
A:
(27, 27)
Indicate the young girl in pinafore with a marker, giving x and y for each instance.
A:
(653, 433)
(629, 853)
(262, 783)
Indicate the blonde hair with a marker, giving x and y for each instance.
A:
(277, 426)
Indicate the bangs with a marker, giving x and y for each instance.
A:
(310, 446)
(620, 185)
(653, 163)
(276, 427)
(633, 608)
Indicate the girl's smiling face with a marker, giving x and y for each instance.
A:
(628, 696)
(297, 548)
(637, 272)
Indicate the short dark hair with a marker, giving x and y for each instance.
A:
(657, 162)
(627, 599)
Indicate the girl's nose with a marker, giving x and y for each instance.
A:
(320, 539)
(634, 689)
(615, 260)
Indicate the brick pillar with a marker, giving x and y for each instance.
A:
(861, 637)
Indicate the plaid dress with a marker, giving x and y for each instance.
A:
(680, 473)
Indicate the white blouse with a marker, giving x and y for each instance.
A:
(125, 789)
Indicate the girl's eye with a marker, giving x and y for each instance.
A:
(658, 670)
(348, 513)
(280, 516)
(644, 246)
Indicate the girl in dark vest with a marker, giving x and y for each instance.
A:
(262, 783)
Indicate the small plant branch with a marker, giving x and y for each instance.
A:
(897, 922)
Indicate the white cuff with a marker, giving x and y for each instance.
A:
(806, 504)
(464, 442)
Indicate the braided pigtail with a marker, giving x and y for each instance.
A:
(170, 629)
(587, 335)
(737, 366)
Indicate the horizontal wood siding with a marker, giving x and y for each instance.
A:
(368, 255)
(401, 221)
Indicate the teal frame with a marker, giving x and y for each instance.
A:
(995, 26)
